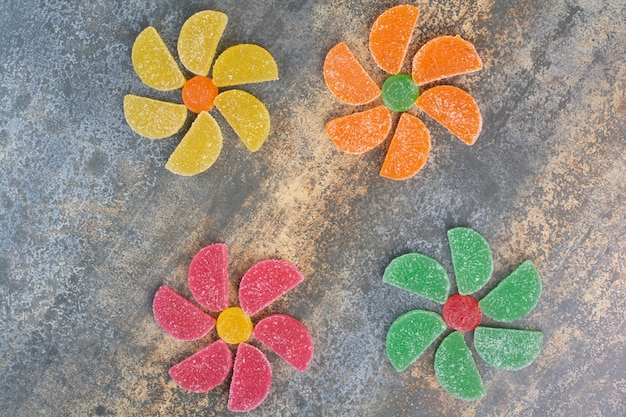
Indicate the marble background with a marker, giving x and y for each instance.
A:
(91, 223)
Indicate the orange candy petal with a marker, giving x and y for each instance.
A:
(359, 132)
(391, 35)
(346, 78)
(408, 150)
(443, 57)
(454, 109)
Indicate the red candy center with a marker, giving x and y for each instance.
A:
(461, 312)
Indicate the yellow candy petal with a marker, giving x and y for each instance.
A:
(154, 63)
(198, 40)
(247, 116)
(199, 148)
(244, 64)
(153, 119)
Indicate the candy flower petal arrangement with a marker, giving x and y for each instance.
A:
(413, 332)
(442, 57)
(197, 44)
(260, 286)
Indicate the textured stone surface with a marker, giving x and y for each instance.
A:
(91, 223)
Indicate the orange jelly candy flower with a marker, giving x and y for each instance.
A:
(442, 57)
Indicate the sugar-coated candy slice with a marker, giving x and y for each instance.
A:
(265, 282)
(198, 40)
(346, 78)
(391, 35)
(247, 116)
(179, 316)
(252, 379)
(208, 277)
(471, 258)
(199, 148)
(509, 349)
(359, 132)
(410, 335)
(204, 370)
(515, 296)
(442, 57)
(153, 62)
(454, 109)
(408, 150)
(286, 337)
(419, 274)
(153, 119)
(244, 64)
(456, 370)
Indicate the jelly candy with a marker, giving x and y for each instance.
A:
(244, 64)
(252, 379)
(265, 282)
(286, 337)
(247, 116)
(204, 370)
(179, 317)
(346, 78)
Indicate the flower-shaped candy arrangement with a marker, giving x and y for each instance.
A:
(259, 287)
(413, 332)
(197, 44)
(442, 57)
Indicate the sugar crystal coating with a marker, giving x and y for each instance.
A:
(419, 274)
(252, 379)
(244, 64)
(247, 116)
(515, 296)
(265, 282)
(153, 119)
(286, 337)
(471, 258)
(410, 334)
(179, 316)
(360, 132)
(153, 62)
(204, 370)
(408, 150)
(346, 78)
(208, 277)
(456, 370)
(509, 349)
(390, 36)
(198, 40)
(199, 148)
(455, 109)
(443, 57)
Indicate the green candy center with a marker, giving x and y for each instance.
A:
(400, 92)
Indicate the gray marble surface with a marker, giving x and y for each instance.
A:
(91, 224)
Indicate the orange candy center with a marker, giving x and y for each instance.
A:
(199, 94)
(234, 326)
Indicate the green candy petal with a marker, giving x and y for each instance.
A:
(456, 370)
(515, 296)
(419, 274)
(471, 258)
(509, 349)
(410, 335)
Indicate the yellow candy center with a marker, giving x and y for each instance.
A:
(234, 326)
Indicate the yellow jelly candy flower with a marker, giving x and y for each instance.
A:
(197, 45)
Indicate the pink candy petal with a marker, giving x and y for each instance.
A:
(265, 282)
(179, 317)
(286, 337)
(205, 370)
(208, 277)
(252, 379)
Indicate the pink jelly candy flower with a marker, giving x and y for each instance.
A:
(260, 286)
